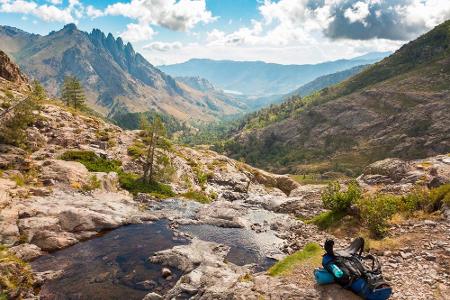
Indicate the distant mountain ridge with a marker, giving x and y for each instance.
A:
(116, 78)
(325, 81)
(263, 79)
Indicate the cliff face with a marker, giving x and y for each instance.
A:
(116, 78)
(10, 71)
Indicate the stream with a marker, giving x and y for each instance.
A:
(111, 266)
(114, 265)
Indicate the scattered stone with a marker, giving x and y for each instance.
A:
(152, 296)
(166, 272)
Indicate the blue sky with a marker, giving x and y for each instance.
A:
(281, 31)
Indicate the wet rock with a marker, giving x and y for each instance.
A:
(26, 252)
(50, 240)
(42, 277)
(222, 214)
(187, 257)
(146, 285)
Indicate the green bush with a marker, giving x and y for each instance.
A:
(134, 184)
(136, 150)
(426, 200)
(376, 211)
(336, 200)
(440, 196)
(198, 196)
(92, 161)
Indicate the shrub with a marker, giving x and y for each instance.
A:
(134, 184)
(92, 161)
(198, 196)
(311, 251)
(13, 128)
(136, 150)
(336, 200)
(327, 219)
(440, 196)
(376, 211)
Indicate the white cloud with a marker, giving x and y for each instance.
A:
(93, 13)
(48, 13)
(137, 33)
(178, 15)
(163, 47)
(358, 12)
(427, 13)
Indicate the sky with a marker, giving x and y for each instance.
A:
(278, 31)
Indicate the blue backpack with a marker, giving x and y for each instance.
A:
(361, 274)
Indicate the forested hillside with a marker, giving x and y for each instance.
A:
(397, 107)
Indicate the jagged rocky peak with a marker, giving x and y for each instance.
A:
(70, 27)
(9, 70)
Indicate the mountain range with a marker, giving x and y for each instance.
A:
(258, 78)
(398, 107)
(117, 80)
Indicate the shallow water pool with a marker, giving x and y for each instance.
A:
(111, 266)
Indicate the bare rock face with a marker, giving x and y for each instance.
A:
(397, 176)
(9, 70)
(63, 219)
(392, 168)
(68, 172)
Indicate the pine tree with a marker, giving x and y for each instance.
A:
(66, 91)
(153, 138)
(38, 92)
(73, 92)
(78, 94)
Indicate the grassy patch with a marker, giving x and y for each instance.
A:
(16, 277)
(92, 161)
(198, 196)
(312, 252)
(327, 219)
(134, 184)
(19, 179)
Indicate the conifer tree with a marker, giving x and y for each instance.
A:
(153, 137)
(73, 92)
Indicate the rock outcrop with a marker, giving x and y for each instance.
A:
(398, 176)
(10, 71)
